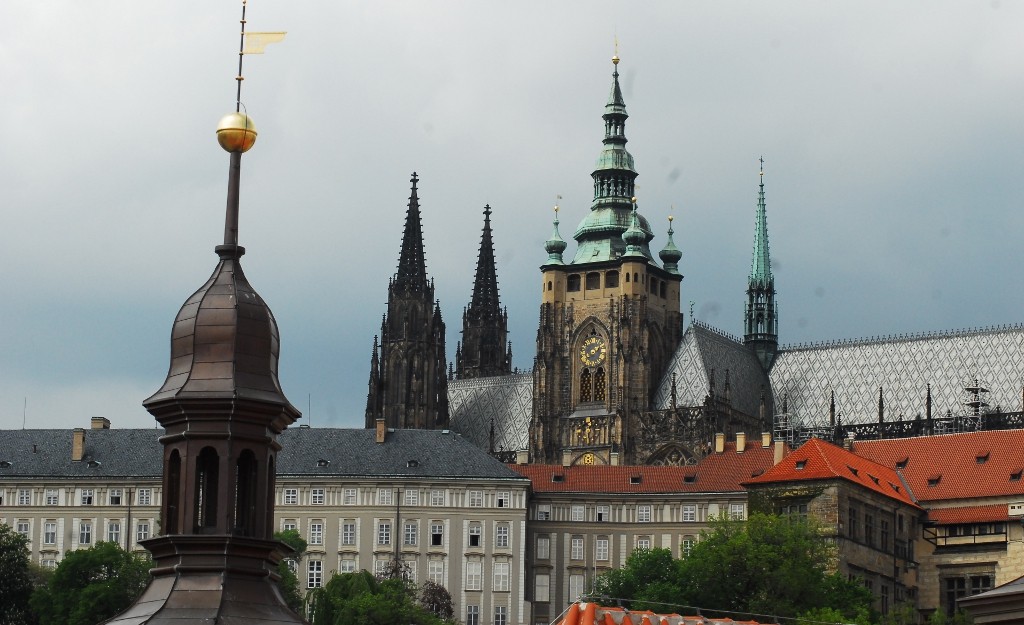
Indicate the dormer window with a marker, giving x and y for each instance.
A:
(855, 472)
(635, 479)
(800, 464)
(902, 464)
(558, 477)
(1015, 477)
(981, 457)
(934, 480)
(323, 463)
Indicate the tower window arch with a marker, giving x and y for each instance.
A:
(593, 280)
(245, 493)
(586, 386)
(207, 483)
(627, 276)
(572, 283)
(599, 384)
(549, 285)
(173, 490)
(611, 279)
(636, 277)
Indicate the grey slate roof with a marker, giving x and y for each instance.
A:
(903, 367)
(704, 352)
(507, 399)
(350, 452)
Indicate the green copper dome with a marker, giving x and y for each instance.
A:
(555, 245)
(670, 254)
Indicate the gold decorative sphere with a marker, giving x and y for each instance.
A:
(236, 132)
(615, 59)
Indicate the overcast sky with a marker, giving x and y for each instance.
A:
(892, 135)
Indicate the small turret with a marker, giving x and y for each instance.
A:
(634, 237)
(555, 245)
(670, 254)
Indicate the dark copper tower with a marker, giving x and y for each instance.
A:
(222, 408)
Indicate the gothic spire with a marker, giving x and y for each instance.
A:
(761, 266)
(484, 322)
(412, 266)
(762, 323)
(485, 285)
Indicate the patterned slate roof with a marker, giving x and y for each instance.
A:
(969, 514)
(705, 352)
(947, 466)
(818, 460)
(724, 472)
(348, 452)
(507, 400)
(903, 367)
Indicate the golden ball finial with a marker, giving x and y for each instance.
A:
(633, 199)
(670, 218)
(615, 60)
(236, 132)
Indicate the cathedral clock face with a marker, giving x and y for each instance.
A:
(593, 351)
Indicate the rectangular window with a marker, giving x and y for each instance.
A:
(114, 532)
(436, 534)
(869, 529)
(736, 511)
(474, 575)
(542, 588)
(142, 531)
(543, 547)
(576, 513)
(576, 548)
(476, 499)
(22, 527)
(686, 546)
(49, 563)
(604, 514)
(472, 615)
(50, 533)
(575, 587)
(435, 571)
(25, 497)
(851, 529)
(643, 514)
(85, 533)
(437, 497)
(500, 615)
(316, 496)
(689, 513)
(349, 497)
(314, 574)
(384, 533)
(87, 496)
(411, 534)
(145, 497)
(643, 542)
(384, 496)
(316, 533)
(348, 565)
(412, 497)
(504, 499)
(51, 497)
(348, 533)
(883, 536)
(476, 535)
(288, 525)
(501, 536)
(601, 549)
(291, 496)
(380, 567)
(500, 582)
(114, 496)
(544, 512)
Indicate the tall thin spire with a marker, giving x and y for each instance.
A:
(761, 322)
(484, 322)
(412, 265)
(485, 285)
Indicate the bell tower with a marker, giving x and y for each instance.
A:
(609, 319)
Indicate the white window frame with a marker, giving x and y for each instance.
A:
(643, 513)
(412, 497)
(24, 497)
(577, 513)
(142, 531)
(314, 574)
(472, 615)
(383, 532)
(290, 497)
(504, 499)
(543, 547)
(542, 587)
(114, 532)
(437, 529)
(52, 497)
(575, 587)
(317, 496)
(50, 533)
(736, 511)
(348, 532)
(88, 496)
(476, 499)
(604, 514)
(348, 565)
(411, 534)
(476, 530)
(384, 496)
(349, 498)
(501, 535)
(437, 498)
(24, 528)
(316, 532)
(112, 495)
(474, 575)
(643, 542)
(144, 496)
(543, 512)
(435, 571)
(576, 548)
(85, 532)
(500, 615)
(601, 549)
(689, 512)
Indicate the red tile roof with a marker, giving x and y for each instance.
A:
(955, 466)
(818, 460)
(593, 614)
(969, 514)
(724, 472)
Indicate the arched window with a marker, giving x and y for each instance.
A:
(586, 390)
(572, 283)
(636, 277)
(207, 478)
(599, 384)
(245, 494)
(549, 285)
(627, 277)
(173, 490)
(593, 280)
(611, 279)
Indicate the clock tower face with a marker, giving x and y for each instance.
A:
(593, 351)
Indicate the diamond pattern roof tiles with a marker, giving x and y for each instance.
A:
(507, 401)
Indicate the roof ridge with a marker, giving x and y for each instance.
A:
(903, 337)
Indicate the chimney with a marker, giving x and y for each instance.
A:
(741, 442)
(614, 460)
(780, 451)
(381, 430)
(848, 443)
(77, 444)
(719, 443)
(566, 459)
(523, 456)
(100, 423)
(766, 440)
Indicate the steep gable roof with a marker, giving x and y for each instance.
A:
(818, 460)
(954, 466)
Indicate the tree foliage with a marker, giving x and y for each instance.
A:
(361, 599)
(91, 585)
(15, 578)
(289, 582)
(766, 565)
(437, 599)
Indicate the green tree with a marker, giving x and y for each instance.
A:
(15, 578)
(91, 585)
(289, 582)
(649, 579)
(361, 599)
(437, 599)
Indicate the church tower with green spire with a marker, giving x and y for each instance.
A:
(761, 322)
(408, 385)
(484, 350)
(609, 319)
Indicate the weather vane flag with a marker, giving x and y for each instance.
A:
(252, 43)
